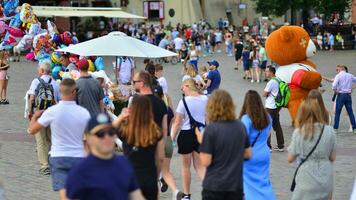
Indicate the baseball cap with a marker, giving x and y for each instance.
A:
(83, 64)
(97, 123)
(213, 62)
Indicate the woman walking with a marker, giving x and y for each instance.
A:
(142, 143)
(255, 71)
(4, 78)
(258, 123)
(192, 106)
(224, 146)
(313, 147)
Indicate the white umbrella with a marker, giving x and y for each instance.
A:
(117, 44)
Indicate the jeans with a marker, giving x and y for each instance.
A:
(229, 49)
(341, 100)
(276, 127)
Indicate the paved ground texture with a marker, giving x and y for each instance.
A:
(19, 166)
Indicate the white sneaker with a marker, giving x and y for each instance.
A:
(350, 130)
(258, 81)
(252, 80)
(178, 195)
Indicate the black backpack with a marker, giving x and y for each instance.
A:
(44, 95)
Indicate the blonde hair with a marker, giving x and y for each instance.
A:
(190, 71)
(190, 83)
(315, 94)
(309, 113)
(203, 69)
(220, 107)
(3, 58)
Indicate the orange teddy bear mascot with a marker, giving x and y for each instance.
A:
(289, 47)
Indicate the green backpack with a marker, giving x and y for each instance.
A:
(283, 95)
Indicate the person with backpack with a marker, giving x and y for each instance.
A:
(271, 92)
(256, 181)
(125, 67)
(43, 93)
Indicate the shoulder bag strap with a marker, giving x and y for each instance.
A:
(254, 142)
(306, 158)
(191, 119)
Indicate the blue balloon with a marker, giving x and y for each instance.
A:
(99, 64)
(55, 72)
(10, 7)
(106, 100)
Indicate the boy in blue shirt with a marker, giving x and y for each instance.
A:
(214, 77)
(246, 62)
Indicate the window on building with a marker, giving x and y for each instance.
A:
(153, 10)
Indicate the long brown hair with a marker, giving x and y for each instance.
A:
(315, 94)
(140, 129)
(220, 107)
(253, 107)
(309, 113)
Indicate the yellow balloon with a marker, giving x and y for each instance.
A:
(91, 66)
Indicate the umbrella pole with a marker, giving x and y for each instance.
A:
(117, 81)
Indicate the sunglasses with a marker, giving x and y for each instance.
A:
(134, 82)
(101, 134)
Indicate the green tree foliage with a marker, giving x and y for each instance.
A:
(279, 7)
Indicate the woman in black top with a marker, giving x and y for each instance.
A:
(142, 143)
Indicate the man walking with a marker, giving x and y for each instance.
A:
(41, 86)
(270, 92)
(342, 85)
(214, 77)
(67, 121)
(102, 175)
(90, 93)
(125, 68)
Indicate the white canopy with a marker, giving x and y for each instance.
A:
(117, 44)
(56, 11)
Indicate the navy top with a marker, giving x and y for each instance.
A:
(94, 179)
(215, 78)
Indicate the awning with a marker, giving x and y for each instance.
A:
(52, 11)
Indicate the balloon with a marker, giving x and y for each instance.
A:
(91, 66)
(30, 56)
(99, 63)
(25, 43)
(52, 28)
(35, 29)
(10, 7)
(26, 14)
(66, 38)
(15, 21)
(3, 27)
(73, 58)
(56, 38)
(55, 58)
(55, 72)
(75, 40)
(15, 32)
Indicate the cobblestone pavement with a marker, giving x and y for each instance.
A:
(19, 166)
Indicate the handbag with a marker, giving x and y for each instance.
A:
(292, 187)
(193, 123)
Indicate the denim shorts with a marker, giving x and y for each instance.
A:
(60, 167)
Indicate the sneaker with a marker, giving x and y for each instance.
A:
(335, 130)
(178, 195)
(350, 130)
(258, 81)
(163, 184)
(186, 197)
(266, 80)
(45, 171)
(252, 80)
(278, 149)
(4, 101)
(354, 132)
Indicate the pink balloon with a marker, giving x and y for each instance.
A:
(14, 31)
(30, 56)
(3, 27)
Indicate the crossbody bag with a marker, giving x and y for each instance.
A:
(193, 123)
(292, 187)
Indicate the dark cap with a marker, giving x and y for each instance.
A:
(98, 122)
(213, 62)
(83, 64)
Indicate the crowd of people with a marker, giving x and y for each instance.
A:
(230, 153)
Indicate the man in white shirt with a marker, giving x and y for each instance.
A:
(68, 122)
(43, 138)
(125, 67)
(270, 92)
(178, 42)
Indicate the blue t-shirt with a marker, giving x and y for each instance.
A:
(94, 179)
(215, 78)
(246, 58)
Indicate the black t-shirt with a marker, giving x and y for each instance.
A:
(159, 109)
(239, 47)
(170, 116)
(226, 142)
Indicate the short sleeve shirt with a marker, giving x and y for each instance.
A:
(95, 178)
(226, 141)
(163, 83)
(272, 88)
(196, 106)
(126, 66)
(215, 78)
(159, 109)
(46, 78)
(89, 94)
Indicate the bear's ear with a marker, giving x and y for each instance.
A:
(286, 33)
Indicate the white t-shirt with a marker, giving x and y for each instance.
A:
(68, 122)
(272, 88)
(35, 82)
(196, 106)
(163, 83)
(178, 42)
(218, 36)
(196, 78)
(125, 70)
